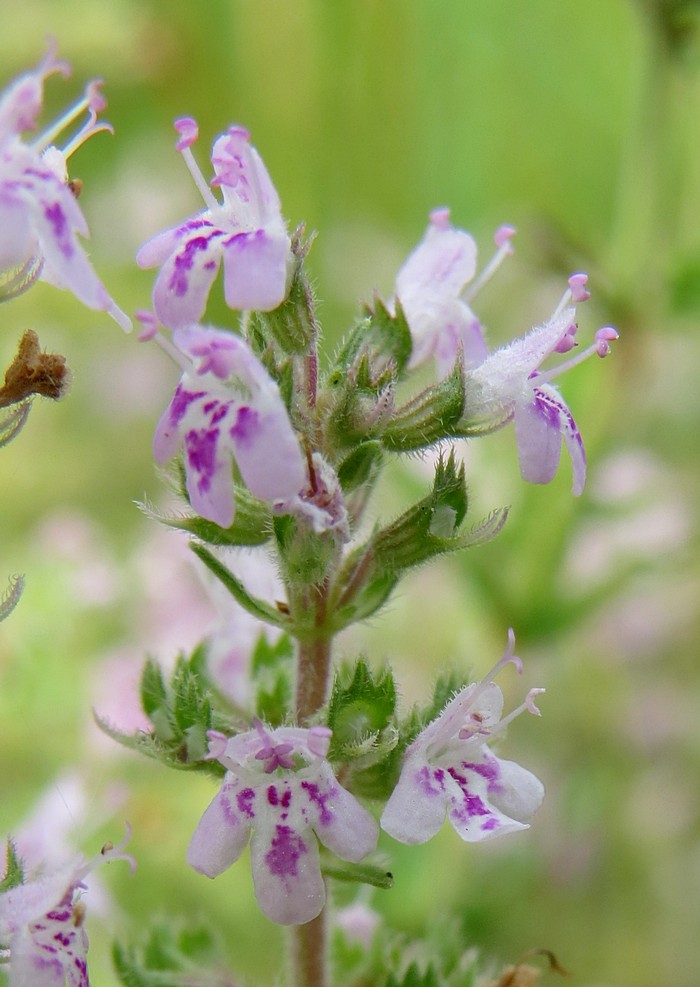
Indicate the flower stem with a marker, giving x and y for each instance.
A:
(309, 965)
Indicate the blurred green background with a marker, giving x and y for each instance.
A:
(578, 124)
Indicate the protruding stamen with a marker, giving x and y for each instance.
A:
(218, 742)
(94, 102)
(440, 218)
(575, 292)
(528, 704)
(149, 323)
(111, 852)
(568, 340)
(319, 740)
(577, 284)
(502, 239)
(508, 659)
(530, 701)
(503, 236)
(183, 146)
(603, 338)
(188, 130)
(600, 347)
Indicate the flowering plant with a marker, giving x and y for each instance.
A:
(276, 448)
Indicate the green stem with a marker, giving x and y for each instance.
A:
(309, 941)
(309, 951)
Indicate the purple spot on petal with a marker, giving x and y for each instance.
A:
(285, 850)
(431, 782)
(59, 224)
(244, 801)
(245, 429)
(314, 795)
(546, 409)
(200, 447)
(183, 263)
(490, 824)
(181, 401)
(489, 770)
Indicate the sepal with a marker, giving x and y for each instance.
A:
(11, 596)
(252, 522)
(14, 871)
(12, 423)
(258, 608)
(429, 417)
(361, 708)
(362, 466)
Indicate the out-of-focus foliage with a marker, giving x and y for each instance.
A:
(578, 123)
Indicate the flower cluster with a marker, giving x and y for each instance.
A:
(39, 214)
(279, 786)
(435, 287)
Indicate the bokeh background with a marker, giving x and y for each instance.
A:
(578, 124)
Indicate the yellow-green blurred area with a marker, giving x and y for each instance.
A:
(579, 124)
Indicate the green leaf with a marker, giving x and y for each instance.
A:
(258, 608)
(14, 871)
(377, 877)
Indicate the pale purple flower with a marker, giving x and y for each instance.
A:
(435, 286)
(280, 787)
(41, 925)
(450, 770)
(227, 407)
(245, 230)
(510, 385)
(39, 214)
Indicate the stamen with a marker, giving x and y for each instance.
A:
(218, 742)
(150, 332)
(93, 101)
(600, 346)
(504, 249)
(577, 284)
(507, 659)
(528, 704)
(568, 340)
(111, 852)
(185, 126)
(319, 740)
(603, 339)
(440, 218)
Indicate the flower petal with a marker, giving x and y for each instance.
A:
(538, 434)
(267, 451)
(342, 824)
(255, 269)
(185, 279)
(287, 874)
(208, 470)
(416, 809)
(222, 834)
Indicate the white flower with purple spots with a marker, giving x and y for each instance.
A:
(41, 925)
(280, 787)
(245, 231)
(449, 770)
(39, 214)
(226, 407)
(509, 385)
(435, 287)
